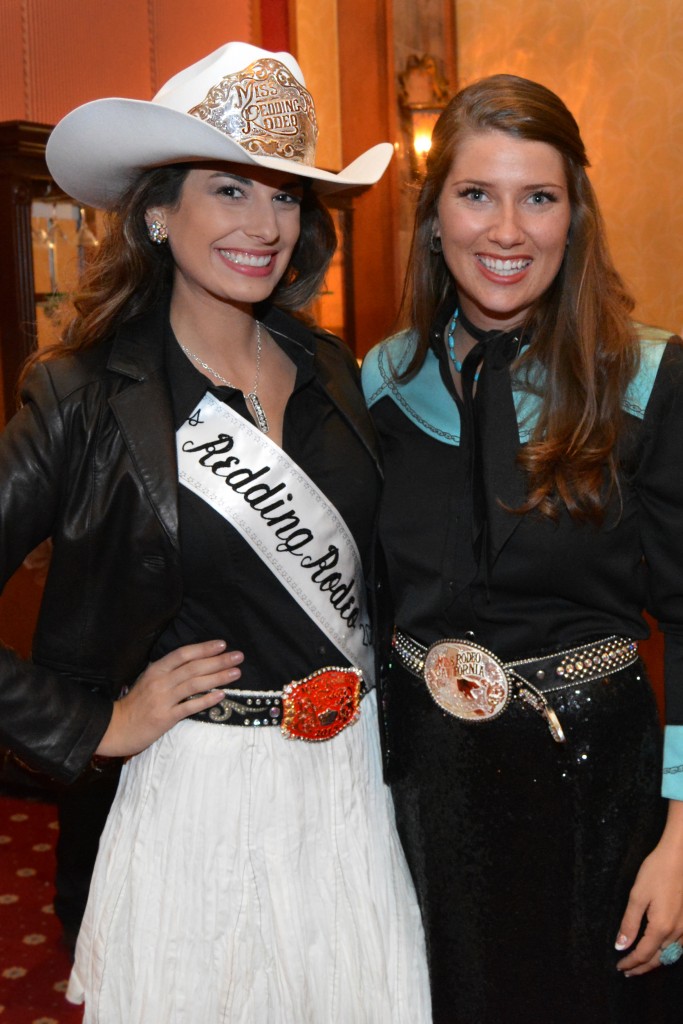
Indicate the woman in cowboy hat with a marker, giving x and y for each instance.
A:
(204, 465)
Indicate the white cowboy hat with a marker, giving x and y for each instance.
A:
(240, 104)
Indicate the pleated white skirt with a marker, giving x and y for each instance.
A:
(250, 879)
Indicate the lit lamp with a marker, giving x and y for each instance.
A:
(423, 94)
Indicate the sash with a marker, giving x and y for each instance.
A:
(287, 520)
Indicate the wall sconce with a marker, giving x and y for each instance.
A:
(423, 94)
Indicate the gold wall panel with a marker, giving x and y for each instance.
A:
(317, 50)
(618, 65)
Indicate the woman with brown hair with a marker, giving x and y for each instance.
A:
(207, 470)
(532, 508)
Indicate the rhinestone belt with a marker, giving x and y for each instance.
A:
(314, 708)
(471, 683)
(245, 707)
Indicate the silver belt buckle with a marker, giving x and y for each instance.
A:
(466, 680)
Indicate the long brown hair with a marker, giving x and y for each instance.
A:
(583, 338)
(129, 273)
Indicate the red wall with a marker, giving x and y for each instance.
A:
(57, 55)
(276, 28)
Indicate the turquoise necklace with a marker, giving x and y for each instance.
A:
(515, 336)
(457, 363)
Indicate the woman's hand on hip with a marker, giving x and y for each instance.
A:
(160, 697)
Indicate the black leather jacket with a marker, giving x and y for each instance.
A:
(89, 460)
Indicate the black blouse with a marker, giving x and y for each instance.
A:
(229, 593)
(550, 585)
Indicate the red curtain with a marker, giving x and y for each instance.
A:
(275, 25)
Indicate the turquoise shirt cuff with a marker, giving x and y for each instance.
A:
(672, 777)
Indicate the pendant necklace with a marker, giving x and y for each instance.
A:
(249, 396)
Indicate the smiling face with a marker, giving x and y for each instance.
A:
(231, 236)
(503, 216)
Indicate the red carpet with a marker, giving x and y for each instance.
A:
(34, 967)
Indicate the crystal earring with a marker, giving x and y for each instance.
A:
(158, 232)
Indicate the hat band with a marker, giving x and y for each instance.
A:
(265, 110)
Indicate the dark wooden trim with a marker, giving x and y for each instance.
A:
(23, 178)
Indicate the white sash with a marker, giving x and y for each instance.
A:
(286, 519)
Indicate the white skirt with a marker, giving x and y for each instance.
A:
(250, 879)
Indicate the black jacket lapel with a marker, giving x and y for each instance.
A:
(144, 414)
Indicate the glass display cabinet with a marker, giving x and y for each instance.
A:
(46, 238)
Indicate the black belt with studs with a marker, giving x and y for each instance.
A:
(471, 683)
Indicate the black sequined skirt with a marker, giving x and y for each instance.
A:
(523, 851)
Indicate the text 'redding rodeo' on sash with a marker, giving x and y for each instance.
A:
(285, 518)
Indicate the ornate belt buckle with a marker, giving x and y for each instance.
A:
(321, 705)
(466, 680)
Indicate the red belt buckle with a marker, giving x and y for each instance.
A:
(321, 705)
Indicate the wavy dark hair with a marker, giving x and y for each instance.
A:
(128, 273)
(583, 337)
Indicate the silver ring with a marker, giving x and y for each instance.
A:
(671, 954)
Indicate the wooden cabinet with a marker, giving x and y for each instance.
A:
(23, 180)
(47, 239)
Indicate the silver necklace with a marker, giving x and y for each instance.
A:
(249, 396)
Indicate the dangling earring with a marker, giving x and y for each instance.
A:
(435, 244)
(158, 232)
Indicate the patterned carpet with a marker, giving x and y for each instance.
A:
(34, 966)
